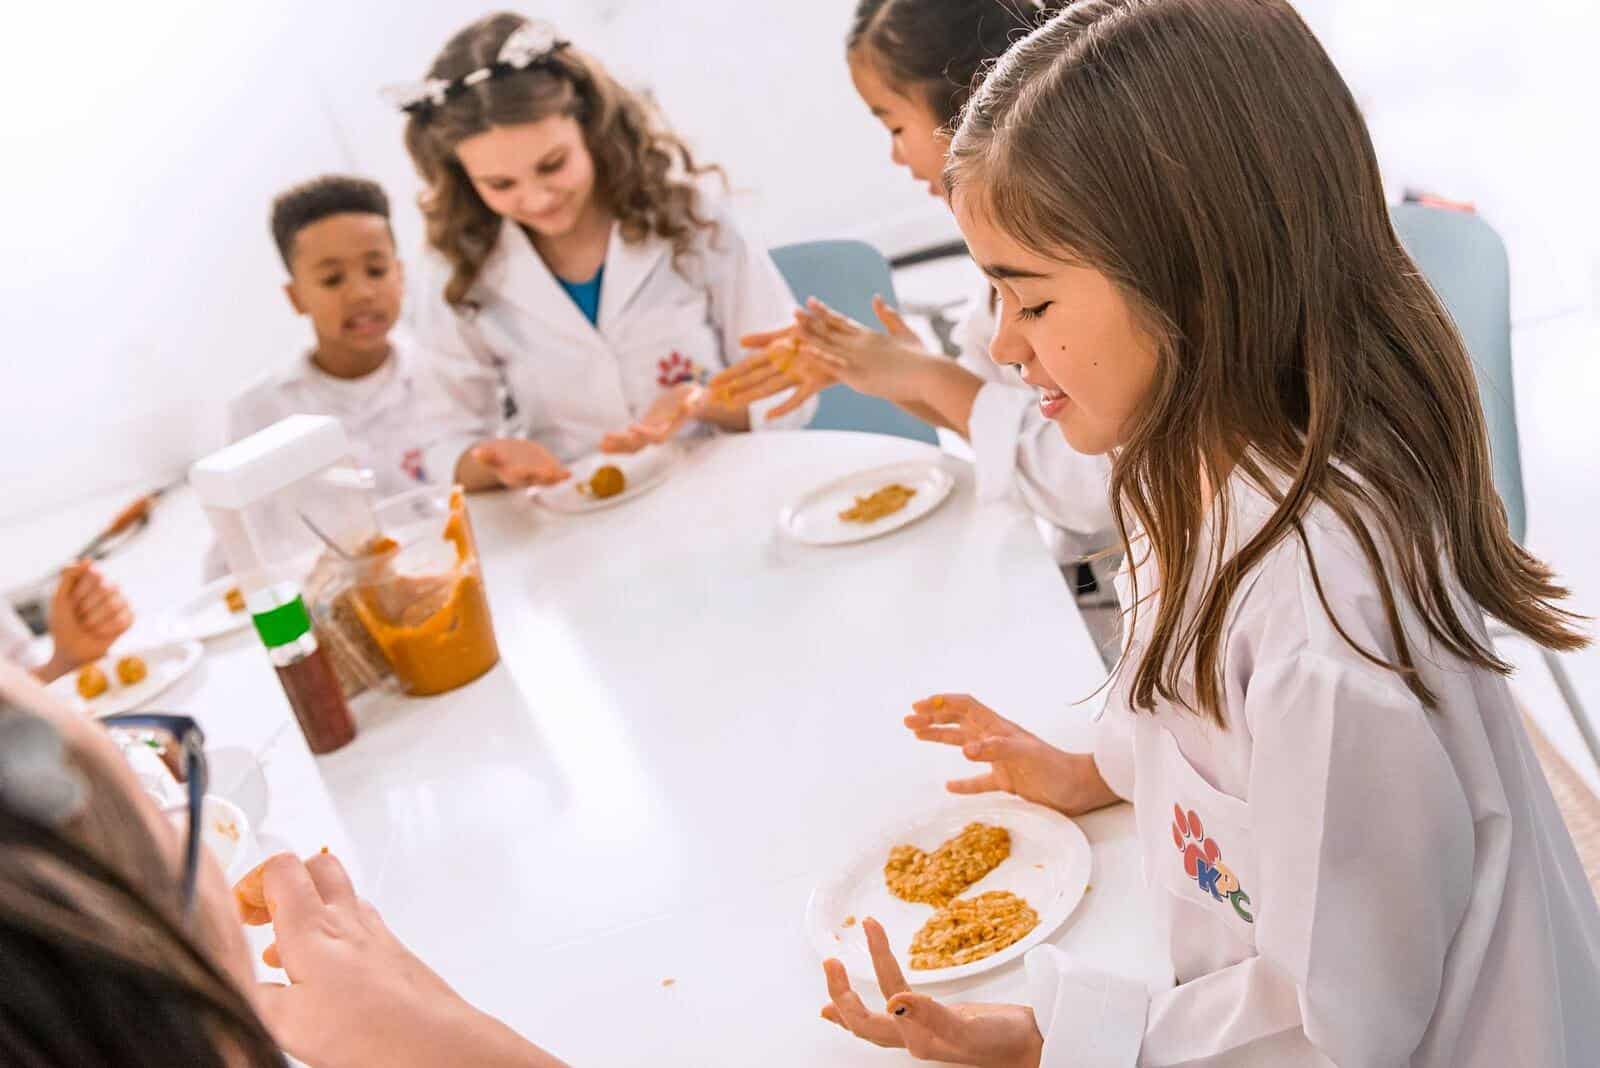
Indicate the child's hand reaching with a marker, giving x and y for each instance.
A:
(886, 365)
(1019, 762)
(990, 1036)
(356, 995)
(515, 463)
(782, 363)
(665, 416)
(87, 614)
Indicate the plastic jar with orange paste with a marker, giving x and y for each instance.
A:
(421, 596)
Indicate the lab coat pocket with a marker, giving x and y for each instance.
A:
(1199, 843)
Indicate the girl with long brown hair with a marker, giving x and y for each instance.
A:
(585, 277)
(1353, 855)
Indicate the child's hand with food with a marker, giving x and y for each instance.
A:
(888, 364)
(781, 363)
(356, 995)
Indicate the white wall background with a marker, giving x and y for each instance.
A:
(139, 288)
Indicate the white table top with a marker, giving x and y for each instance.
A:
(693, 723)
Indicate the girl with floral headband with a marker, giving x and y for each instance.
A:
(584, 278)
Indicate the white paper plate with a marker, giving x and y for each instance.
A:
(814, 518)
(1048, 867)
(642, 472)
(206, 614)
(165, 664)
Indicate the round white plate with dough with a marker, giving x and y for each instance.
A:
(207, 615)
(815, 518)
(642, 472)
(164, 664)
(1049, 868)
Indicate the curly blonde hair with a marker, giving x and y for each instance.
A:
(644, 172)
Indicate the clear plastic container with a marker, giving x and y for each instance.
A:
(358, 662)
(419, 593)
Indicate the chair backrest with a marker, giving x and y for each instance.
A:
(1464, 261)
(845, 275)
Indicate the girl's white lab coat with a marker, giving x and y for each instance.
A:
(1344, 878)
(526, 362)
(391, 416)
(1016, 450)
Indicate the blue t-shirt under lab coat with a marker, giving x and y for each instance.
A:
(586, 295)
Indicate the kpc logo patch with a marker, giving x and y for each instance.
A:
(1202, 862)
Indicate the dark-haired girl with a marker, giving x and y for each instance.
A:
(913, 63)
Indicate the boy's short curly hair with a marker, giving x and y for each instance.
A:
(332, 194)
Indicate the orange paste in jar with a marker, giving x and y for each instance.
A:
(435, 630)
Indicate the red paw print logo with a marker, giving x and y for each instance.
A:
(1190, 838)
(675, 369)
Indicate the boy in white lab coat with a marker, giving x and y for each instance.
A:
(334, 236)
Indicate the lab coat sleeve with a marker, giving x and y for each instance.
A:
(16, 640)
(1113, 750)
(748, 296)
(1364, 845)
(1014, 446)
(458, 376)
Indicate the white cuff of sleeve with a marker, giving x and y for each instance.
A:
(1113, 748)
(31, 654)
(993, 428)
(791, 421)
(1088, 1019)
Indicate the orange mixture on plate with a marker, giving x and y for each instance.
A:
(970, 929)
(879, 504)
(944, 874)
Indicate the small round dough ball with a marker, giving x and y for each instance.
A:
(92, 682)
(131, 669)
(607, 481)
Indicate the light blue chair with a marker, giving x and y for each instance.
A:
(1464, 261)
(845, 275)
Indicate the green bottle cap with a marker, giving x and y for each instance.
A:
(283, 624)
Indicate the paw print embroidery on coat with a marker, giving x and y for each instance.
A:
(1202, 862)
(1192, 842)
(676, 369)
(411, 464)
